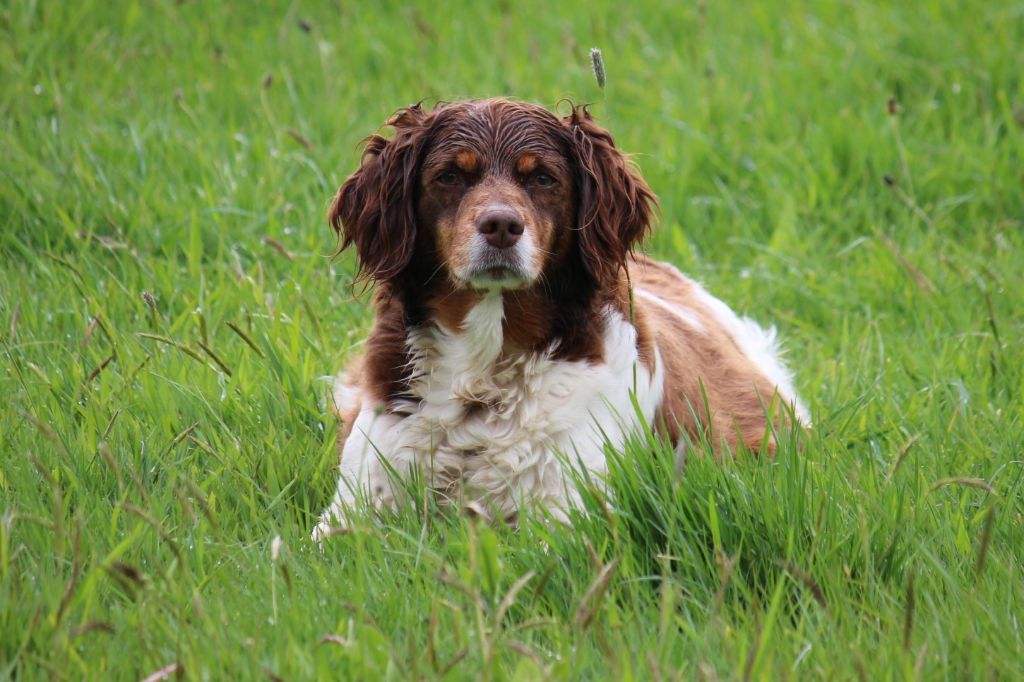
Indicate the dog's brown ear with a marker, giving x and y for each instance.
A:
(376, 207)
(615, 204)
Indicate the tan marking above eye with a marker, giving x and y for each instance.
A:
(527, 163)
(467, 161)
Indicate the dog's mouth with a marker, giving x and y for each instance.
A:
(499, 272)
(498, 277)
(496, 269)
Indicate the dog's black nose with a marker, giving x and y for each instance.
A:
(501, 227)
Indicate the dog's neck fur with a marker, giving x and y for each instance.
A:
(565, 322)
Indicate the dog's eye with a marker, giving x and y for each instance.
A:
(543, 179)
(449, 178)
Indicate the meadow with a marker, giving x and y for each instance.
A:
(170, 304)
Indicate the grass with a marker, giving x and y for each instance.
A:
(853, 172)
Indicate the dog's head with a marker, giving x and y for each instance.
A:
(495, 192)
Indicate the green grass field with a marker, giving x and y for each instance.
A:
(169, 306)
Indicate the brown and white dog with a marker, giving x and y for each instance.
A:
(514, 326)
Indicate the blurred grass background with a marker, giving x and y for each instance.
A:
(851, 171)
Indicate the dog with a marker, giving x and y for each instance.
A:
(517, 332)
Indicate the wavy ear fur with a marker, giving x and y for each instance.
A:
(615, 203)
(376, 207)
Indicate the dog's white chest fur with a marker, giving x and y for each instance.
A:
(492, 431)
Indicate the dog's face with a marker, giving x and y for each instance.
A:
(497, 193)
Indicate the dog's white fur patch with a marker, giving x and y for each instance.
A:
(687, 316)
(490, 431)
